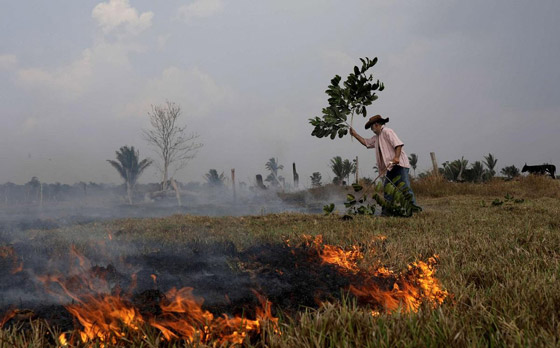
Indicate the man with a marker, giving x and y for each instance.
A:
(391, 159)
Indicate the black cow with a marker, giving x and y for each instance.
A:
(542, 169)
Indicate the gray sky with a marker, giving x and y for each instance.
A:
(462, 78)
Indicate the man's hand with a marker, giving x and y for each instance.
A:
(394, 162)
(357, 136)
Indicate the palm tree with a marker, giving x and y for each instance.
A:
(337, 167)
(213, 179)
(454, 170)
(342, 169)
(349, 168)
(273, 166)
(462, 165)
(490, 163)
(477, 171)
(413, 159)
(129, 167)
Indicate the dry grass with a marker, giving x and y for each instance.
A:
(531, 186)
(502, 264)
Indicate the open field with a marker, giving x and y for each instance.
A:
(500, 262)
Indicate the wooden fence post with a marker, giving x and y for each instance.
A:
(434, 163)
(233, 184)
(357, 174)
(296, 176)
(260, 182)
(41, 195)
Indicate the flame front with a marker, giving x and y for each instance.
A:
(108, 317)
(183, 317)
(408, 291)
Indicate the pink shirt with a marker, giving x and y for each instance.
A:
(385, 143)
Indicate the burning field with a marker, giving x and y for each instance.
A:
(287, 280)
(206, 293)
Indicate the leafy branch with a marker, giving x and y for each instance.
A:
(348, 99)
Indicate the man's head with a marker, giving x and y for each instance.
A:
(376, 123)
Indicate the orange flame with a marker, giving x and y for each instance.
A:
(347, 260)
(408, 290)
(417, 285)
(344, 259)
(109, 318)
(183, 317)
(106, 318)
(62, 339)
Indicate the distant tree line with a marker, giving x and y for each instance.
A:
(36, 192)
(460, 170)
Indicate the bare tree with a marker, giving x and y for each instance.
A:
(172, 143)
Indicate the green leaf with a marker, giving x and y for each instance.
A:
(328, 209)
(336, 80)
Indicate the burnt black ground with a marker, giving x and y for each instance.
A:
(291, 278)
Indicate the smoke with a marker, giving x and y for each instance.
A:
(46, 252)
(44, 206)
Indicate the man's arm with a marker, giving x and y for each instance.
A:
(398, 150)
(357, 136)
